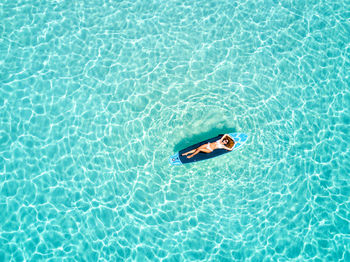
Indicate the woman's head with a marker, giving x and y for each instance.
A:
(228, 142)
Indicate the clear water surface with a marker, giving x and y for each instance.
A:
(96, 95)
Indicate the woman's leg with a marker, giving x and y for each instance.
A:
(200, 149)
(189, 152)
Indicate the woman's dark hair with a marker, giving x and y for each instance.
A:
(230, 143)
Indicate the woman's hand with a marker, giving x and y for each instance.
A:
(223, 137)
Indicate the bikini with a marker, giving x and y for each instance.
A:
(218, 146)
(209, 148)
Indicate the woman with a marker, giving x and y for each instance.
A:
(210, 147)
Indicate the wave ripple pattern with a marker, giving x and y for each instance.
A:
(96, 95)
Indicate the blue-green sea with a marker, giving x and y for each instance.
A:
(96, 95)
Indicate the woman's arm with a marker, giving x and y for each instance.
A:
(229, 149)
(223, 137)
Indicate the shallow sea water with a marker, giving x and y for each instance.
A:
(96, 95)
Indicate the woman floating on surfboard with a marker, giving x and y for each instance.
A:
(226, 142)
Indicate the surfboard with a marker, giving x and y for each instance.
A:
(178, 159)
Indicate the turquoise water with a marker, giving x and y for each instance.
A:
(96, 95)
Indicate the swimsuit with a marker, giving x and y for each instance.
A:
(219, 145)
(209, 148)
